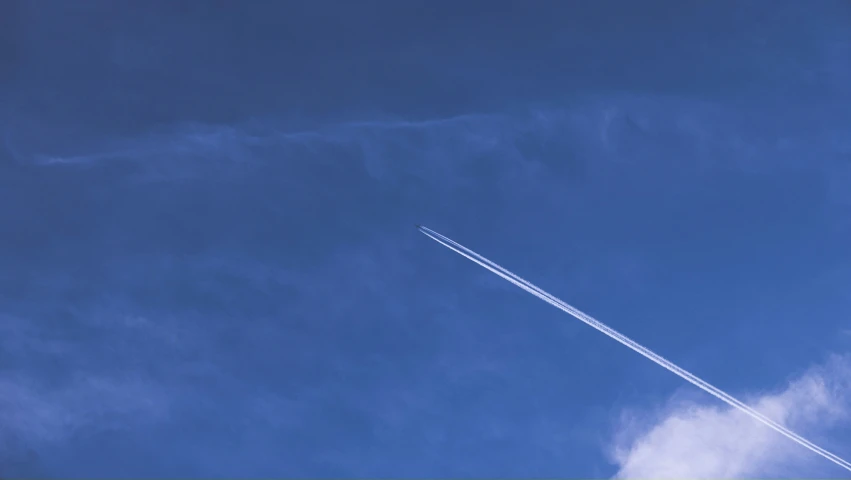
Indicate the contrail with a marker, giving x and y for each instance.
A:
(646, 352)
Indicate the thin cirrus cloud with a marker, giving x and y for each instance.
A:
(642, 131)
(613, 129)
(37, 411)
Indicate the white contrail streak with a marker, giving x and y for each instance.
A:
(658, 359)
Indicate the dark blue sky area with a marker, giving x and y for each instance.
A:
(208, 261)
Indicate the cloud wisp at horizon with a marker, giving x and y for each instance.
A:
(650, 355)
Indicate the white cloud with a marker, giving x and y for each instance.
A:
(705, 440)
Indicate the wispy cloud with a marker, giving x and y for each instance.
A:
(160, 290)
(53, 389)
(77, 394)
(36, 412)
(588, 136)
(698, 439)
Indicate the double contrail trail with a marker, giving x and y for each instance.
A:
(646, 352)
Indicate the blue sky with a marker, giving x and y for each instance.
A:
(209, 267)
